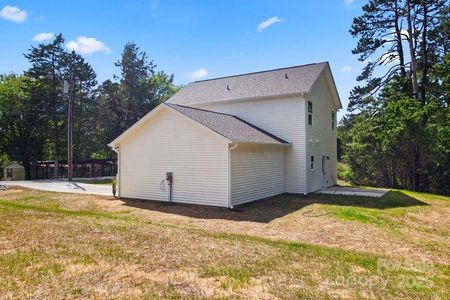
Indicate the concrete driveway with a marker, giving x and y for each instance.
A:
(63, 186)
(353, 191)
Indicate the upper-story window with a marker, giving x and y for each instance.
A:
(333, 120)
(310, 113)
(311, 162)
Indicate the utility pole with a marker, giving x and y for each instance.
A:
(70, 128)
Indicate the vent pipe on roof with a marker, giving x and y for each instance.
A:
(228, 87)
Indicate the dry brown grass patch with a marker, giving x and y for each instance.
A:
(79, 246)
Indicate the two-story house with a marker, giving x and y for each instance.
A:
(236, 139)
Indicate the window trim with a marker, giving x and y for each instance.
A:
(310, 113)
(333, 120)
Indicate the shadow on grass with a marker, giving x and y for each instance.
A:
(268, 209)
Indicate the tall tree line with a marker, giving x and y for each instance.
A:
(33, 105)
(397, 132)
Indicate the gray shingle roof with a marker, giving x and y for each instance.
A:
(229, 126)
(260, 84)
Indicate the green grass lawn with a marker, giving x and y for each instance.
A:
(321, 247)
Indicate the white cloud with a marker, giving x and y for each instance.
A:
(43, 36)
(14, 14)
(155, 4)
(87, 45)
(347, 68)
(270, 21)
(349, 2)
(154, 8)
(200, 73)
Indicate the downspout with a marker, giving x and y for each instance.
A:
(231, 148)
(305, 122)
(117, 150)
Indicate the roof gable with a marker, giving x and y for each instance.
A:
(286, 81)
(330, 85)
(229, 127)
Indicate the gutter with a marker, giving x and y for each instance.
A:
(305, 167)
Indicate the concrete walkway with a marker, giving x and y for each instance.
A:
(63, 186)
(353, 191)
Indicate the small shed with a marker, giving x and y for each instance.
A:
(14, 171)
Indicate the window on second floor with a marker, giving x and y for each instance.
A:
(311, 163)
(333, 120)
(310, 113)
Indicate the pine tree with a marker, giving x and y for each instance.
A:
(400, 109)
(380, 35)
(135, 70)
(47, 67)
(82, 82)
(22, 120)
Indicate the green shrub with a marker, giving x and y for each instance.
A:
(344, 172)
(114, 187)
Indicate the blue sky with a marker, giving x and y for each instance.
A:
(191, 39)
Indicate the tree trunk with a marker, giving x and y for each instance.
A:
(415, 93)
(27, 167)
(55, 120)
(412, 51)
(423, 95)
(399, 42)
(424, 49)
(56, 145)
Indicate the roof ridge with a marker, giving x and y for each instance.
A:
(259, 72)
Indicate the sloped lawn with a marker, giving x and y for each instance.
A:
(78, 246)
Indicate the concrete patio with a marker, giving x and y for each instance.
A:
(354, 191)
(62, 186)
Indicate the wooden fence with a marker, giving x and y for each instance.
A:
(81, 168)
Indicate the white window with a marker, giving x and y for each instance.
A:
(310, 113)
(311, 165)
(333, 120)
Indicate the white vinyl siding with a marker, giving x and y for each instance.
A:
(256, 172)
(321, 138)
(283, 117)
(170, 142)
